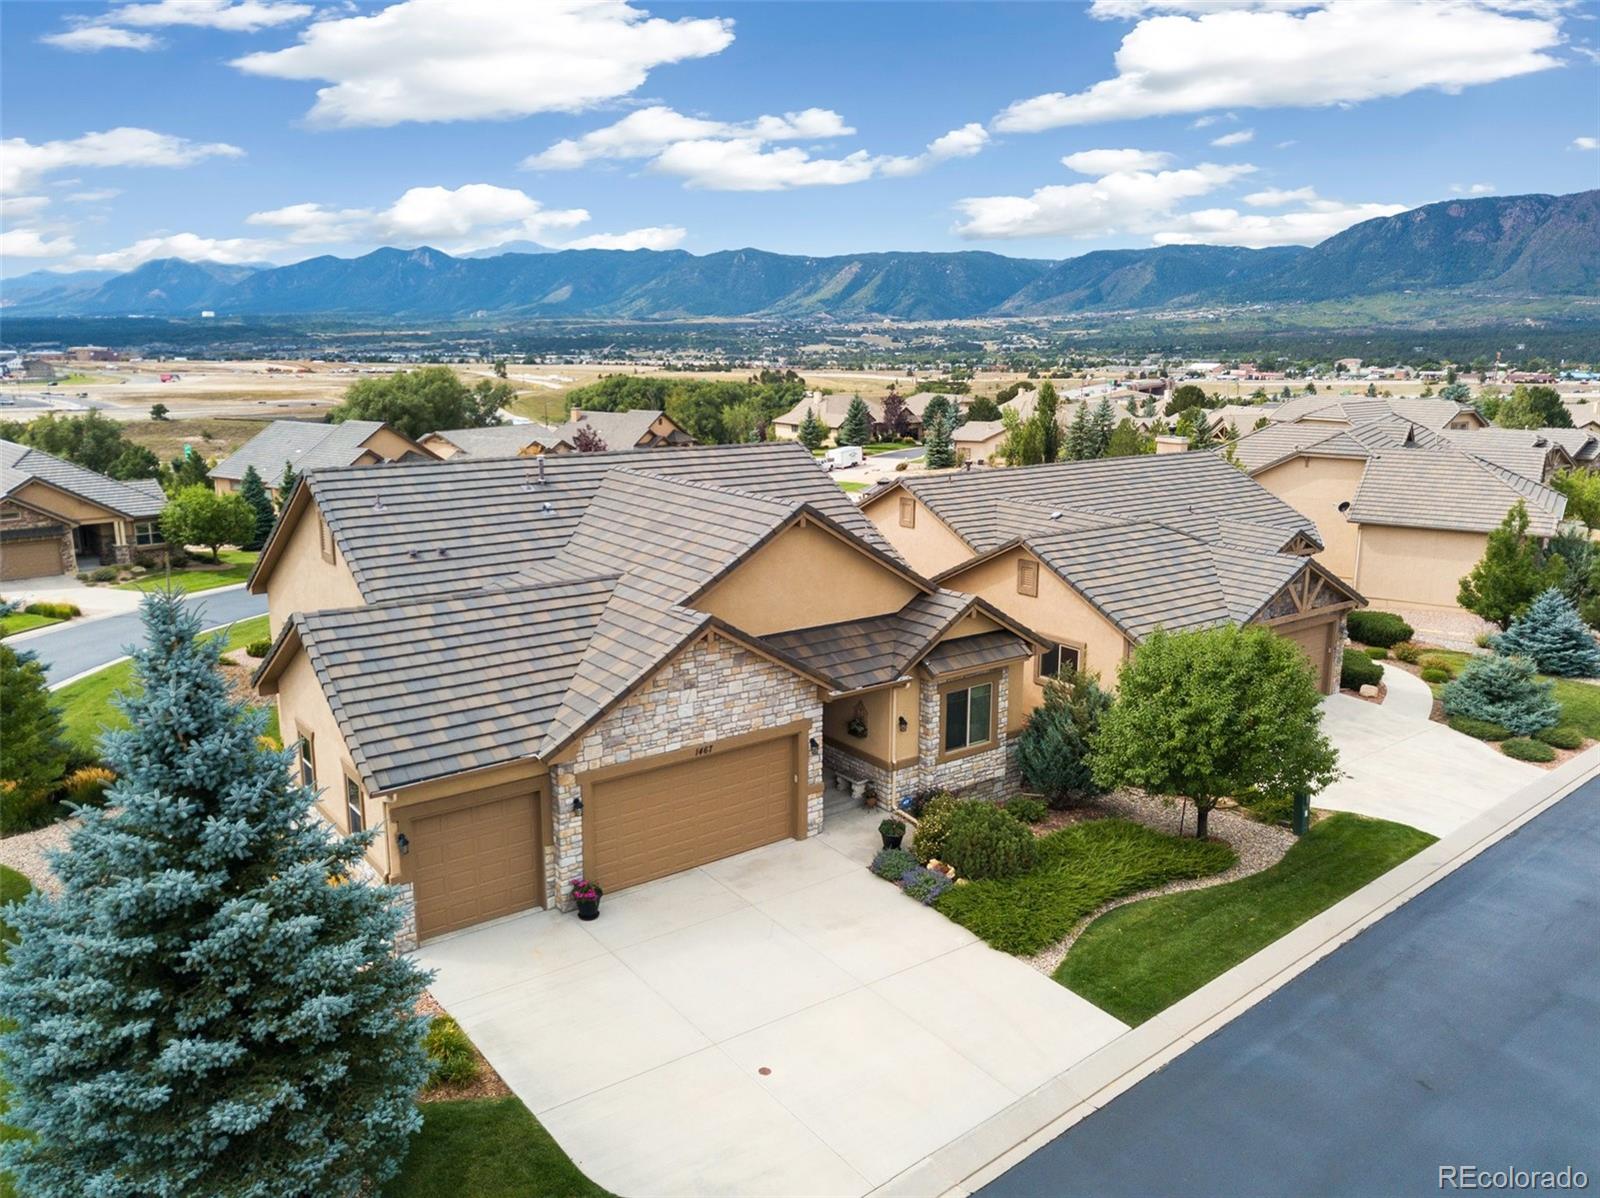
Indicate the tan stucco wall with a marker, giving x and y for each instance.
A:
(60, 503)
(981, 453)
(1315, 487)
(302, 581)
(930, 546)
(224, 486)
(388, 444)
(438, 446)
(1058, 613)
(1415, 567)
(302, 709)
(881, 708)
(803, 577)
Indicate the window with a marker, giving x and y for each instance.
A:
(308, 765)
(146, 533)
(324, 538)
(1057, 658)
(967, 716)
(352, 805)
(1027, 577)
(908, 512)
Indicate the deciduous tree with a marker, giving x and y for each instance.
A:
(1185, 397)
(197, 515)
(1513, 570)
(586, 440)
(418, 402)
(1045, 407)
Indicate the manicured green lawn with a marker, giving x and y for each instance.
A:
(488, 1148)
(1138, 960)
(1080, 867)
(86, 704)
(1580, 701)
(23, 622)
(849, 486)
(14, 887)
(204, 575)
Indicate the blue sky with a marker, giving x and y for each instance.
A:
(250, 130)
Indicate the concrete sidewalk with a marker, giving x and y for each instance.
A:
(980, 1156)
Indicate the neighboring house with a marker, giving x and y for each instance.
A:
(1095, 555)
(497, 441)
(642, 428)
(1535, 453)
(612, 665)
(832, 409)
(1404, 512)
(1346, 410)
(979, 441)
(308, 446)
(57, 517)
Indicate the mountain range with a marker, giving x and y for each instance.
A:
(1505, 246)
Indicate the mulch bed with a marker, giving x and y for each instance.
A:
(1383, 693)
(486, 1085)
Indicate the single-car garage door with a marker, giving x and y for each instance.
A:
(30, 559)
(478, 858)
(662, 821)
(1316, 641)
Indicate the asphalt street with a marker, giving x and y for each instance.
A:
(79, 646)
(1461, 1030)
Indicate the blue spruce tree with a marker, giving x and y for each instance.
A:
(208, 1007)
(1553, 636)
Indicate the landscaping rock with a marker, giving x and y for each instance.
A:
(1369, 691)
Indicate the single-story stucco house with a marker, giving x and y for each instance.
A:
(979, 441)
(1095, 555)
(57, 517)
(832, 409)
(306, 446)
(612, 665)
(642, 428)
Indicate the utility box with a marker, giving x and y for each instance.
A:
(1302, 814)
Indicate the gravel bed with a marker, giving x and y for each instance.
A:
(27, 853)
(1259, 846)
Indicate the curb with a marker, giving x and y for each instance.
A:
(976, 1158)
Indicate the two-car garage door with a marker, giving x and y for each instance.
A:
(665, 820)
(30, 559)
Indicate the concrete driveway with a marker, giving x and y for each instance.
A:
(1400, 765)
(778, 1023)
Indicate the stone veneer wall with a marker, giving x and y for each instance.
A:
(27, 519)
(987, 775)
(840, 760)
(712, 690)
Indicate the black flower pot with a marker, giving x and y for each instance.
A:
(590, 908)
(892, 842)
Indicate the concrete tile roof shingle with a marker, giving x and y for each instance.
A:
(138, 499)
(1525, 451)
(1414, 488)
(501, 440)
(878, 650)
(619, 430)
(302, 445)
(974, 652)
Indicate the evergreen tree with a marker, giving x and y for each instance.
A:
(1053, 750)
(857, 426)
(1045, 406)
(33, 750)
(938, 450)
(1127, 441)
(812, 431)
(1101, 425)
(1554, 637)
(1022, 446)
(1504, 691)
(254, 492)
(1079, 443)
(286, 482)
(983, 408)
(939, 407)
(1513, 571)
(210, 1006)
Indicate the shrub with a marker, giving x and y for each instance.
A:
(1406, 651)
(450, 1057)
(56, 611)
(21, 809)
(916, 804)
(1378, 628)
(1377, 653)
(933, 825)
(1562, 736)
(1358, 670)
(1484, 640)
(1524, 748)
(1437, 661)
(1505, 691)
(889, 864)
(1478, 729)
(103, 574)
(86, 787)
(258, 648)
(924, 884)
(1436, 674)
(984, 842)
(1553, 636)
(1026, 808)
(1053, 750)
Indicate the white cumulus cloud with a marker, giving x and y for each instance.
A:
(1107, 162)
(1586, 143)
(23, 163)
(19, 207)
(1238, 138)
(655, 237)
(31, 243)
(1472, 189)
(230, 251)
(117, 28)
(1122, 201)
(1274, 197)
(451, 60)
(1315, 222)
(86, 39)
(1257, 56)
(647, 131)
(461, 218)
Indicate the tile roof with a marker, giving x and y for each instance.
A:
(138, 499)
(1416, 488)
(1525, 451)
(501, 440)
(1581, 444)
(974, 431)
(875, 651)
(423, 529)
(975, 652)
(304, 446)
(619, 430)
(981, 506)
(1353, 409)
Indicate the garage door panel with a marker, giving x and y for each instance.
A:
(30, 559)
(663, 821)
(476, 862)
(1313, 642)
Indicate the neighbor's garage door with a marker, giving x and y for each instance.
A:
(479, 858)
(1316, 641)
(665, 820)
(30, 559)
